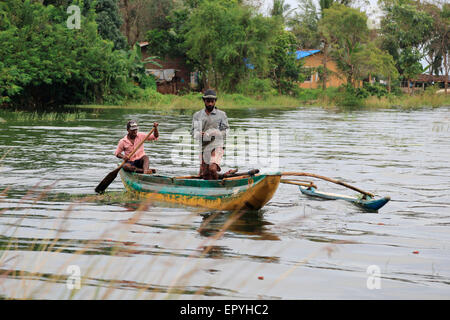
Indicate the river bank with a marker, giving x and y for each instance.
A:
(314, 98)
(169, 104)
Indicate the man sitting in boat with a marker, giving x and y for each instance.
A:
(138, 162)
(209, 127)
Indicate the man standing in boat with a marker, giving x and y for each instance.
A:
(209, 127)
(139, 162)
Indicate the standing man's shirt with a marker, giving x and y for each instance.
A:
(127, 146)
(214, 125)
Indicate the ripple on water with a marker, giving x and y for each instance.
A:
(300, 247)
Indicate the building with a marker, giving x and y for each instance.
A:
(424, 80)
(314, 59)
(173, 77)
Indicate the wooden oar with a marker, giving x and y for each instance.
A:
(305, 174)
(113, 174)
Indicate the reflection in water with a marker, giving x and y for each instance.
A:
(248, 223)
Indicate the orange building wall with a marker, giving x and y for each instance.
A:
(316, 60)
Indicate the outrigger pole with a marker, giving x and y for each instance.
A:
(306, 174)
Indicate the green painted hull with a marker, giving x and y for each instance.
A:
(228, 194)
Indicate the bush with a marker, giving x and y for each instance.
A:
(122, 92)
(361, 93)
(256, 87)
(148, 82)
(328, 94)
(128, 91)
(238, 99)
(350, 97)
(375, 89)
(431, 90)
(154, 97)
(193, 96)
(307, 94)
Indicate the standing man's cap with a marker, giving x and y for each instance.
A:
(209, 94)
(132, 125)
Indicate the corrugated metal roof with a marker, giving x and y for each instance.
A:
(430, 78)
(300, 54)
(162, 74)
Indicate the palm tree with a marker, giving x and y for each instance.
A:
(325, 4)
(281, 9)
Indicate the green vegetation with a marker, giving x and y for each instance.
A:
(24, 116)
(248, 56)
(372, 97)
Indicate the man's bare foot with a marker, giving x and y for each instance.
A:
(150, 171)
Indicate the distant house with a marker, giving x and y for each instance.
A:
(423, 81)
(313, 59)
(174, 75)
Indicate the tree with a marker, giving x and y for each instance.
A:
(372, 61)
(437, 46)
(325, 4)
(304, 25)
(109, 22)
(285, 70)
(221, 34)
(142, 15)
(44, 63)
(168, 40)
(409, 63)
(405, 30)
(137, 65)
(280, 9)
(345, 29)
(131, 11)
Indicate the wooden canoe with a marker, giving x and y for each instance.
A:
(250, 192)
(367, 202)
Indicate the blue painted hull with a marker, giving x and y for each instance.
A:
(369, 203)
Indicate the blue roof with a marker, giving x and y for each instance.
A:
(248, 64)
(302, 54)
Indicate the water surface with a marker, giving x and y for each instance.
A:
(294, 248)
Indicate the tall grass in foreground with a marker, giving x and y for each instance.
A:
(10, 256)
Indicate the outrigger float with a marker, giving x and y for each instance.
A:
(364, 201)
(251, 190)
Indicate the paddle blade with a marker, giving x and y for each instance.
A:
(107, 181)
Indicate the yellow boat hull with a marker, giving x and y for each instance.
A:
(234, 194)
